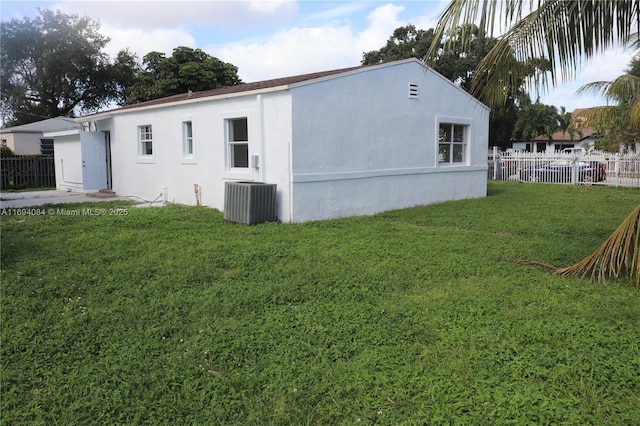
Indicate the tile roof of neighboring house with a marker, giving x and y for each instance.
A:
(50, 124)
(566, 136)
(559, 136)
(245, 87)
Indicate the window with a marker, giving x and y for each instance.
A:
(187, 139)
(452, 143)
(145, 138)
(4, 142)
(238, 142)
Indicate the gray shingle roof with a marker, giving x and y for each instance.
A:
(265, 84)
(50, 124)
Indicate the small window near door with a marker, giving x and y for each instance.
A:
(46, 146)
(145, 140)
(238, 142)
(187, 139)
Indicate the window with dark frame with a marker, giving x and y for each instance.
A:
(452, 143)
(238, 134)
(145, 136)
(187, 139)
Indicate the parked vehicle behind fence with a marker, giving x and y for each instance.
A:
(565, 171)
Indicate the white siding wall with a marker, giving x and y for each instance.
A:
(361, 146)
(169, 174)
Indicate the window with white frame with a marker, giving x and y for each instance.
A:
(187, 139)
(145, 140)
(452, 143)
(238, 142)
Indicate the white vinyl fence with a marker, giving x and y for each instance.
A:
(567, 168)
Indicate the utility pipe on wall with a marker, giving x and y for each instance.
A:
(196, 189)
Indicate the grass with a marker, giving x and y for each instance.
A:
(420, 316)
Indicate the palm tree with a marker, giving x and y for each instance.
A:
(536, 119)
(619, 123)
(564, 121)
(567, 33)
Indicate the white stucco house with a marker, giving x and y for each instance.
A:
(339, 143)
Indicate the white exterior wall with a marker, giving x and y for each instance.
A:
(68, 162)
(351, 144)
(169, 174)
(361, 146)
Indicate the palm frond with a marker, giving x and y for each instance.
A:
(567, 33)
(623, 89)
(634, 114)
(618, 257)
(594, 117)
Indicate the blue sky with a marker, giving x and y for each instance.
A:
(270, 39)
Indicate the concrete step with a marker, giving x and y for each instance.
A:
(103, 193)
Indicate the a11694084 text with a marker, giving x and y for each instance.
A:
(50, 211)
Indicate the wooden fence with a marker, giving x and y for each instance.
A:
(27, 171)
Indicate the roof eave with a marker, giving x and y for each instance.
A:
(111, 113)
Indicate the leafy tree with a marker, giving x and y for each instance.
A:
(456, 63)
(405, 42)
(53, 65)
(536, 119)
(187, 69)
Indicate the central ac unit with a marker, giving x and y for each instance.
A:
(249, 202)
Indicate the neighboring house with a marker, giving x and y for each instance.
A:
(346, 142)
(28, 139)
(585, 138)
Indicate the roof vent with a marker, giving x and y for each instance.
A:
(413, 90)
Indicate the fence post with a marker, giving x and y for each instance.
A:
(495, 163)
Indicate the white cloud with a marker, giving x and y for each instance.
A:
(150, 14)
(296, 51)
(300, 50)
(605, 67)
(268, 7)
(382, 22)
(141, 41)
(145, 26)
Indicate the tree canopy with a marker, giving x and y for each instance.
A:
(53, 65)
(187, 69)
(536, 119)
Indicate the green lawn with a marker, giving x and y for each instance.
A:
(420, 316)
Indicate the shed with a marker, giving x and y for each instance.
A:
(28, 139)
(346, 142)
